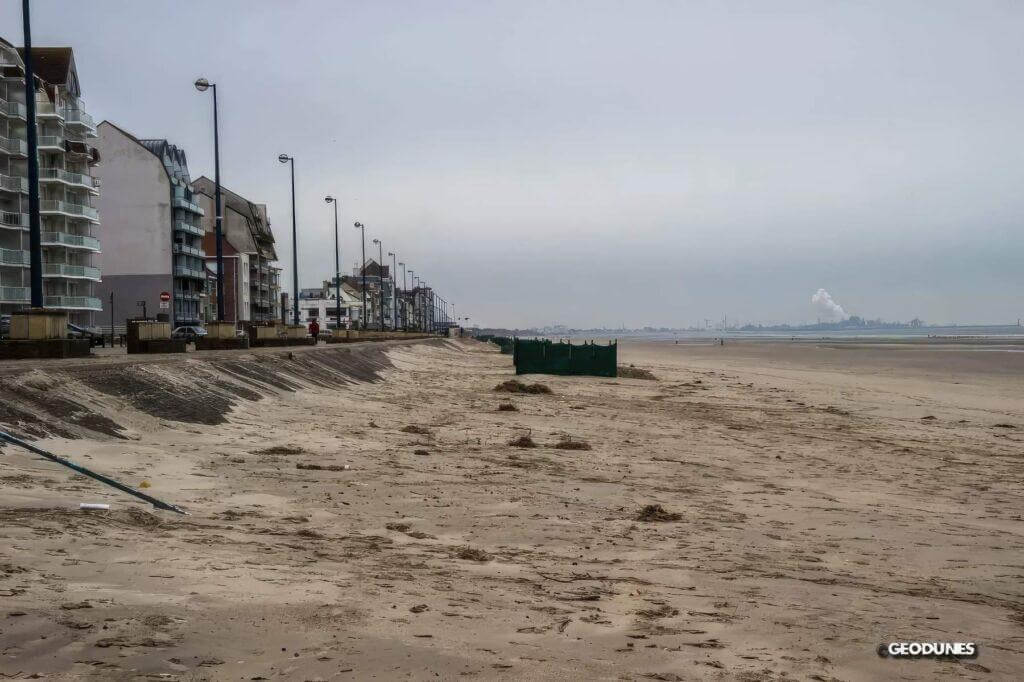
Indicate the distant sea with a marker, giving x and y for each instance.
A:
(985, 331)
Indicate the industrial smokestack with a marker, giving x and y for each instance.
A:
(826, 307)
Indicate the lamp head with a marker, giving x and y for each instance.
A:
(284, 158)
(329, 199)
(202, 84)
(390, 253)
(359, 226)
(376, 241)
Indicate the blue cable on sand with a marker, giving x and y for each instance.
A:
(6, 437)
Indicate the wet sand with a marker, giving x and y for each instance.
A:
(829, 497)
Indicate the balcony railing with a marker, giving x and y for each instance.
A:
(67, 208)
(187, 295)
(13, 183)
(13, 257)
(9, 219)
(73, 271)
(188, 228)
(61, 175)
(16, 147)
(182, 271)
(9, 57)
(72, 240)
(189, 250)
(14, 294)
(80, 118)
(51, 142)
(15, 109)
(187, 205)
(48, 110)
(72, 302)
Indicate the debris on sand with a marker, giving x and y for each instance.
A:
(570, 444)
(516, 386)
(507, 407)
(471, 554)
(412, 428)
(419, 608)
(928, 417)
(421, 453)
(659, 611)
(1004, 426)
(279, 450)
(399, 527)
(322, 467)
(522, 442)
(656, 513)
(633, 372)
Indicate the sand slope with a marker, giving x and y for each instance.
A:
(828, 500)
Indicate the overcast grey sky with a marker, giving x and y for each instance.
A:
(603, 163)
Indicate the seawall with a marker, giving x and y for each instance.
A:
(93, 398)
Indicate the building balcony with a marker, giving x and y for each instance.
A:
(73, 241)
(55, 207)
(189, 250)
(72, 302)
(68, 178)
(76, 118)
(182, 271)
(14, 147)
(48, 111)
(13, 183)
(14, 257)
(71, 271)
(187, 228)
(50, 143)
(187, 295)
(14, 294)
(13, 109)
(186, 205)
(9, 57)
(17, 221)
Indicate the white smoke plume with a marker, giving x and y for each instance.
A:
(826, 307)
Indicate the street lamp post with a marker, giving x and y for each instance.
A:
(405, 311)
(284, 158)
(412, 278)
(35, 241)
(201, 85)
(394, 290)
(362, 228)
(337, 263)
(380, 273)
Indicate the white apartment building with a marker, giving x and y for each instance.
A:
(68, 220)
(321, 305)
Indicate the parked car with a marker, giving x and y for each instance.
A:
(5, 326)
(189, 332)
(75, 332)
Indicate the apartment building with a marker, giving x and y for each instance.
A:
(253, 288)
(320, 304)
(68, 220)
(153, 228)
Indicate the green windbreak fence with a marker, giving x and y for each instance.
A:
(546, 357)
(504, 342)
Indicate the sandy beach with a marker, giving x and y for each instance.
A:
(361, 514)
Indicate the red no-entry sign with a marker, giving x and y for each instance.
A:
(165, 296)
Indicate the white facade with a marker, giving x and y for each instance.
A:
(68, 220)
(321, 305)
